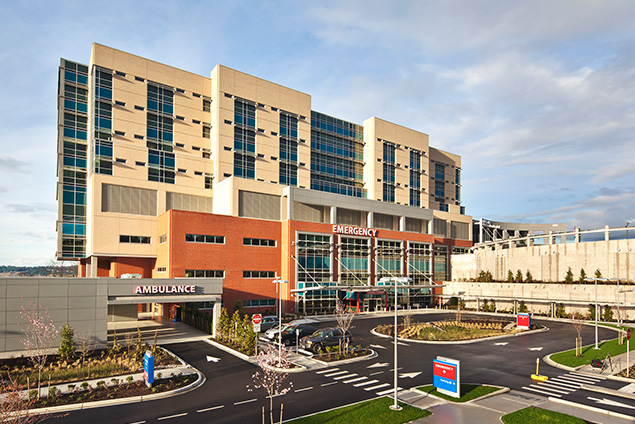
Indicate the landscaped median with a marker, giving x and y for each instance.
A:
(368, 412)
(569, 359)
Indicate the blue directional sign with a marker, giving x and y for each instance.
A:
(446, 376)
(148, 368)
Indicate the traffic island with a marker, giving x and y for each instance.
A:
(452, 331)
(330, 359)
(373, 411)
(470, 392)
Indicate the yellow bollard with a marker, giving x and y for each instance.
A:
(537, 376)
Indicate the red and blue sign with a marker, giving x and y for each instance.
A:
(523, 321)
(446, 376)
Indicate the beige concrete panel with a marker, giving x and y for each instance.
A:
(14, 320)
(53, 290)
(26, 291)
(79, 290)
(102, 56)
(54, 303)
(82, 302)
(79, 315)
(130, 64)
(128, 87)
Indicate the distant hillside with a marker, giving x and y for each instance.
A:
(38, 271)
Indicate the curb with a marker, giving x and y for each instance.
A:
(590, 408)
(371, 355)
(504, 336)
(607, 391)
(228, 350)
(500, 391)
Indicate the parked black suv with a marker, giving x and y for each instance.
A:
(295, 332)
(317, 341)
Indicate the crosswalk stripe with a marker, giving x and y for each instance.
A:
(335, 373)
(341, 377)
(325, 371)
(354, 380)
(551, 389)
(366, 383)
(385, 392)
(379, 386)
(569, 386)
(596, 377)
(541, 392)
(577, 379)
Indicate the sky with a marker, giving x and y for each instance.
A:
(537, 97)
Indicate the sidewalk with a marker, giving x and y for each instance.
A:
(490, 410)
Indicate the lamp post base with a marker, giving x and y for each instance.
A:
(395, 408)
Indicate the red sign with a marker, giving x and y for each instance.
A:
(628, 334)
(523, 320)
(443, 370)
(256, 319)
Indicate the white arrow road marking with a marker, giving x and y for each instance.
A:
(535, 348)
(212, 358)
(409, 374)
(501, 344)
(377, 346)
(378, 365)
(611, 402)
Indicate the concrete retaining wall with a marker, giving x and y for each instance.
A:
(541, 298)
(550, 262)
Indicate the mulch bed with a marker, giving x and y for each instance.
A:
(137, 388)
(330, 357)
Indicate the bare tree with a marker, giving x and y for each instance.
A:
(344, 319)
(407, 319)
(39, 334)
(15, 406)
(579, 321)
(272, 373)
(85, 345)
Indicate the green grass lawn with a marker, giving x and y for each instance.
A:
(569, 359)
(469, 392)
(370, 412)
(540, 416)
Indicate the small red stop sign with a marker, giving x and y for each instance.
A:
(256, 319)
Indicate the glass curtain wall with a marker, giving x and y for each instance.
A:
(354, 261)
(419, 269)
(314, 268)
(440, 263)
(388, 258)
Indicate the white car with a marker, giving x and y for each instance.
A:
(272, 333)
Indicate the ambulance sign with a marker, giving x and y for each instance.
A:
(446, 376)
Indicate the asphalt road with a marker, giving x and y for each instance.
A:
(225, 396)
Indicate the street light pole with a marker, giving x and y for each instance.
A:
(596, 306)
(278, 281)
(395, 406)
